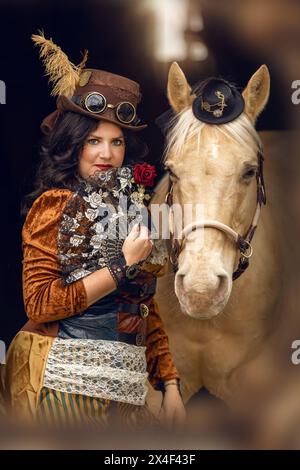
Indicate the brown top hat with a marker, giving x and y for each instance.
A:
(93, 93)
(103, 96)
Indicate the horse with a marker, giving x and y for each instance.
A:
(222, 328)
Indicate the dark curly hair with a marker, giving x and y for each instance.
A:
(59, 154)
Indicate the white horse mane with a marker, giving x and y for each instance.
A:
(186, 126)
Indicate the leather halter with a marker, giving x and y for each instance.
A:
(243, 243)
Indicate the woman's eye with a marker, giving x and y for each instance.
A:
(93, 141)
(117, 142)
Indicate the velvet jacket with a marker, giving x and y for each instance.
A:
(49, 302)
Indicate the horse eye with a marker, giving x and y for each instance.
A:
(171, 174)
(249, 173)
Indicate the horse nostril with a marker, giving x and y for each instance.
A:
(179, 281)
(223, 285)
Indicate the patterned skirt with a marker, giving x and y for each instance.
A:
(61, 409)
(25, 396)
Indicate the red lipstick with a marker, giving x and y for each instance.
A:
(103, 167)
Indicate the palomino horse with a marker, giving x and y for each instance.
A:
(219, 328)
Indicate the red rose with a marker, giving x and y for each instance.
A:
(144, 174)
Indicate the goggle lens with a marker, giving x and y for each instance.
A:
(125, 112)
(95, 103)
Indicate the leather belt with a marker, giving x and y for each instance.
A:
(142, 290)
(135, 309)
(139, 339)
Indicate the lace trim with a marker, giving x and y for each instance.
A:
(106, 369)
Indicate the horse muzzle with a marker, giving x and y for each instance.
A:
(205, 298)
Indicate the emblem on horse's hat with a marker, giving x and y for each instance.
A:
(217, 101)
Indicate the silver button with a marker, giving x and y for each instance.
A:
(139, 339)
(144, 310)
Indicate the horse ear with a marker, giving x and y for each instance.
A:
(257, 92)
(179, 91)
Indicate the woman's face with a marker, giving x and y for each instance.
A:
(104, 148)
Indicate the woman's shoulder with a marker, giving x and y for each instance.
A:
(53, 196)
(48, 206)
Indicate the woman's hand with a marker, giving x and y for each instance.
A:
(137, 246)
(172, 413)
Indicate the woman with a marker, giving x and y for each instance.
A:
(94, 334)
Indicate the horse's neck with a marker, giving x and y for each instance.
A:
(251, 307)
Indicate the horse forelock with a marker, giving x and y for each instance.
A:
(186, 126)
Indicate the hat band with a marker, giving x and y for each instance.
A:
(96, 103)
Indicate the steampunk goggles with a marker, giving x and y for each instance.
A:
(96, 103)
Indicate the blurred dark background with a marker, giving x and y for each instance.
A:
(138, 39)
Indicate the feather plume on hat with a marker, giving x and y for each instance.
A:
(61, 71)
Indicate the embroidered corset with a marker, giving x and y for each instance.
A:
(93, 227)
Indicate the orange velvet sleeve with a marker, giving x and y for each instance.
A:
(45, 296)
(160, 365)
